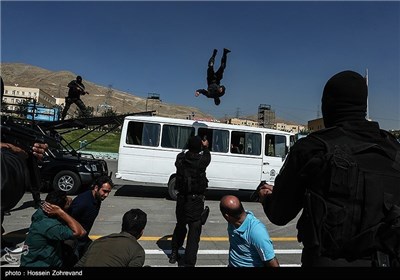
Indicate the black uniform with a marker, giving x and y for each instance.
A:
(76, 89)
(344, 105)
(190, 204)
(214, 78)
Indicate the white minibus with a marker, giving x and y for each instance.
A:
(241, 156)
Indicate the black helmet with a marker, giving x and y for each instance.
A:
(79, 79)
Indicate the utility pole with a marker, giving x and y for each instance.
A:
(237, 112)
(108, 96)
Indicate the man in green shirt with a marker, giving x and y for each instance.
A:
(51, 225)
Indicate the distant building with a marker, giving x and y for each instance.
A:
(60, 101)
(288, 127)
(237, 121)
(316, 124)
(294, 128)
(15, 95)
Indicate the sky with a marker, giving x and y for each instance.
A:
(282, 55)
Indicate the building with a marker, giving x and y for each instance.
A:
(316, 124)
(15, 95)
(266, 116)
(237, 121)
(294, 128)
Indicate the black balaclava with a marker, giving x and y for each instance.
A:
(344, 98)
(195, 144)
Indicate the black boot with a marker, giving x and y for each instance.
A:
(226, 51)
(174, 257)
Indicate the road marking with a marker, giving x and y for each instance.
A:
(213, 239)
(218, 252)
(224, 265)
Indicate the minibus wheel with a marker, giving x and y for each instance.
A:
(172, 192)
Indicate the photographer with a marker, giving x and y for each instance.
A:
(16, 176)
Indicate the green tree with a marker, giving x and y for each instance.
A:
(109, 113)
(89, 112)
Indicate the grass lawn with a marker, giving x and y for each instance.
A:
(108, 143)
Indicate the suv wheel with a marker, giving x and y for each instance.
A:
(67, 181)
(172, 192)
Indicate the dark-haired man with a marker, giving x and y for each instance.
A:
(86, 207)
(214, 89)
(76, 89)
(119, 249)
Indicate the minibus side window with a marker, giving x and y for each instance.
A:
(218, 139)
(174, 136)
(151, 134)
(252, 144)
(275, 146)
(143, 134)
(247, 143)
(134, 134)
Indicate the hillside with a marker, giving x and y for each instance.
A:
(54, 83)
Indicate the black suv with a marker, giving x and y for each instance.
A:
(71, 171)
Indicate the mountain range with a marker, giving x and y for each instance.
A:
(55, 83)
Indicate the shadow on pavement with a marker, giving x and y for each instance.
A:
(162, 192)
(24, 205)
(142, 191)
(164, 243)
(15, 237)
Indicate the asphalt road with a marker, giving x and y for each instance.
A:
(213, 251)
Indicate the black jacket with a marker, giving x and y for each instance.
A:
(190, 205)
(287, 198)
(76, 89)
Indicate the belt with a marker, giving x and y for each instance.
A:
(192, 195)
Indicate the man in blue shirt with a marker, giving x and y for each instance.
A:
(249, 241)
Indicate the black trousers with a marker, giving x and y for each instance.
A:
(216, 77)
(188, 216)
(192, 242)
(69, 101)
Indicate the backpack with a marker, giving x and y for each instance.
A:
(352, 206)
(190, 179)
